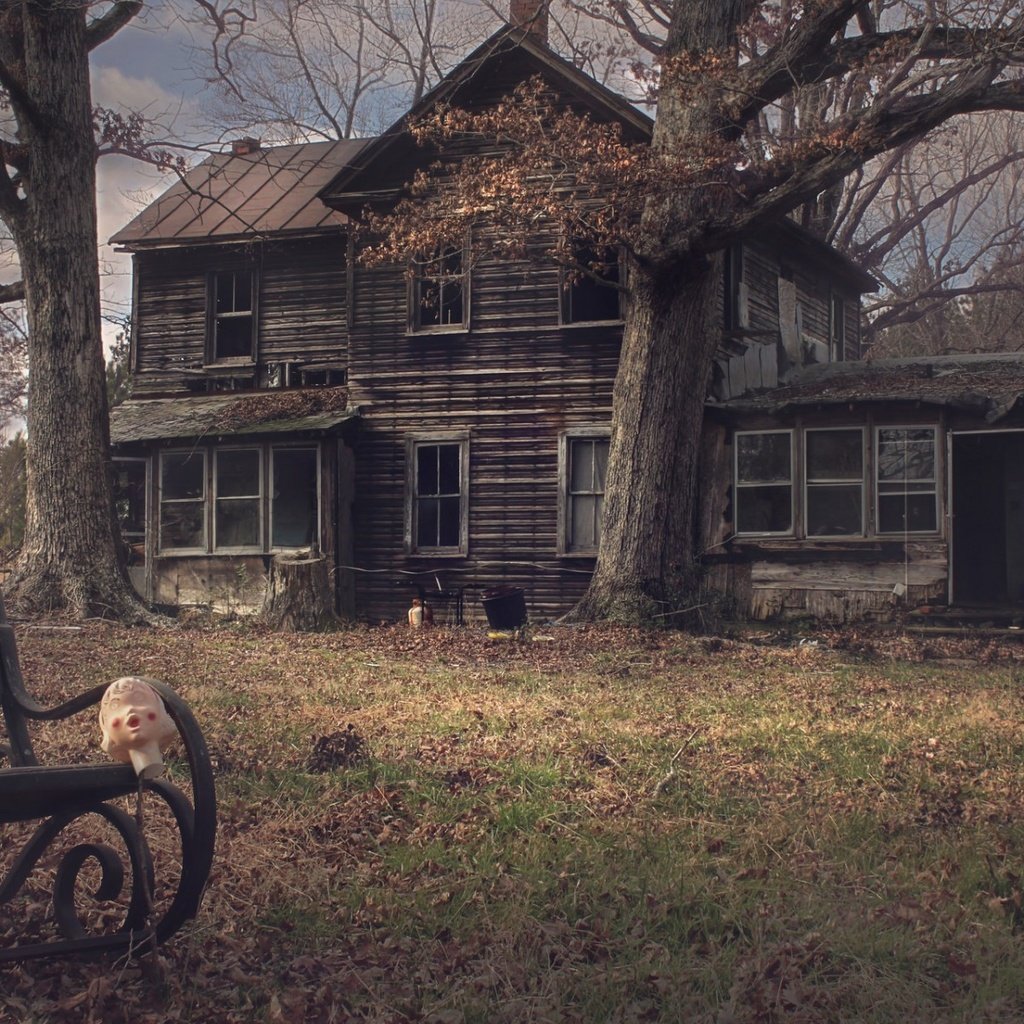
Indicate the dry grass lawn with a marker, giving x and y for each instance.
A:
(589, 825)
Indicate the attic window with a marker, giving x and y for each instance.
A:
(232, 324)
(591, 296)
(439, 291)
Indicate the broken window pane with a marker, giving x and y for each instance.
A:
(591, 294)
(294, 518)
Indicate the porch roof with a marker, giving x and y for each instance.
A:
(227, 415)
(988, 384)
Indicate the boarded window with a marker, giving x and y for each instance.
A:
(294, 519)
(237, 490)
(590, 294)
(183, 501)
(232, 324)
(906, 475)
(588, 465)
(438, 296)
(834, 461)
(764, 482)
(438, 496)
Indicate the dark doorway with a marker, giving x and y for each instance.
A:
(988, 518)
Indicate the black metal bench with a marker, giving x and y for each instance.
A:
(58, 796)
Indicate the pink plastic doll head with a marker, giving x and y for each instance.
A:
(135, 725)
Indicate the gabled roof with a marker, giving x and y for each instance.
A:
(988, 384)
(356, 182)
(194, 417)
(228, 196)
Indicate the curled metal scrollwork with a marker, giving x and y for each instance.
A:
(136, 930)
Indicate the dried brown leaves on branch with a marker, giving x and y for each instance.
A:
(544, 171)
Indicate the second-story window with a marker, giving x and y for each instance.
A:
(590, 293)
(232, 326)
(438, 294)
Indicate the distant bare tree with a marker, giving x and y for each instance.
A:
(331, 69)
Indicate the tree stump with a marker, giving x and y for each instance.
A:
(298, 598)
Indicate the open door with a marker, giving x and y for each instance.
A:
(988, 518)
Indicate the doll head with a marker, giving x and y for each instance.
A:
(135, 725)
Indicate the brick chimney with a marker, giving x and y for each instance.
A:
(243, 147)
(531, 15)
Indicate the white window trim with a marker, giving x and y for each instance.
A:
(260, 498)
(808, 483)
(203, 501)
(597, 432)
(737, 486)
(412, 444)
(271, 449)
(934, 481)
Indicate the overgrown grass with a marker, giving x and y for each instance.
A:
(600, 826)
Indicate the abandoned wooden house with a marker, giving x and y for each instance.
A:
(449, 433)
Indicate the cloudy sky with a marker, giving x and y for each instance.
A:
(145, 67)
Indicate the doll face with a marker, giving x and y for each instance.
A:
(132, 714)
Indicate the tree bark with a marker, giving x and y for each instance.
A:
(298, 597)
(71, 558)
(647, 570)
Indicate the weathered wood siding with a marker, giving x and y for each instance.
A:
(300, 307)
(512, 390)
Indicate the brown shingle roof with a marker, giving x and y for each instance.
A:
(989, 384)
(199, 416)
(227, 196)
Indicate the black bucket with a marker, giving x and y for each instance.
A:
(505, 607)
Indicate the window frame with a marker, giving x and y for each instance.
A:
(213, 318)
(260, 498)
(596, 432)
(209, 455)
(808, 483)
(416, 277)
(203, 501)
(413, 444)
(565, 289)
(935, 480)
(272, 449)
(115, 460)
(737, 486)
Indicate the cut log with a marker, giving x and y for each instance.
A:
(298, 597)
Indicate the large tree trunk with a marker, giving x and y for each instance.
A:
(647, 570)
(71, 554)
